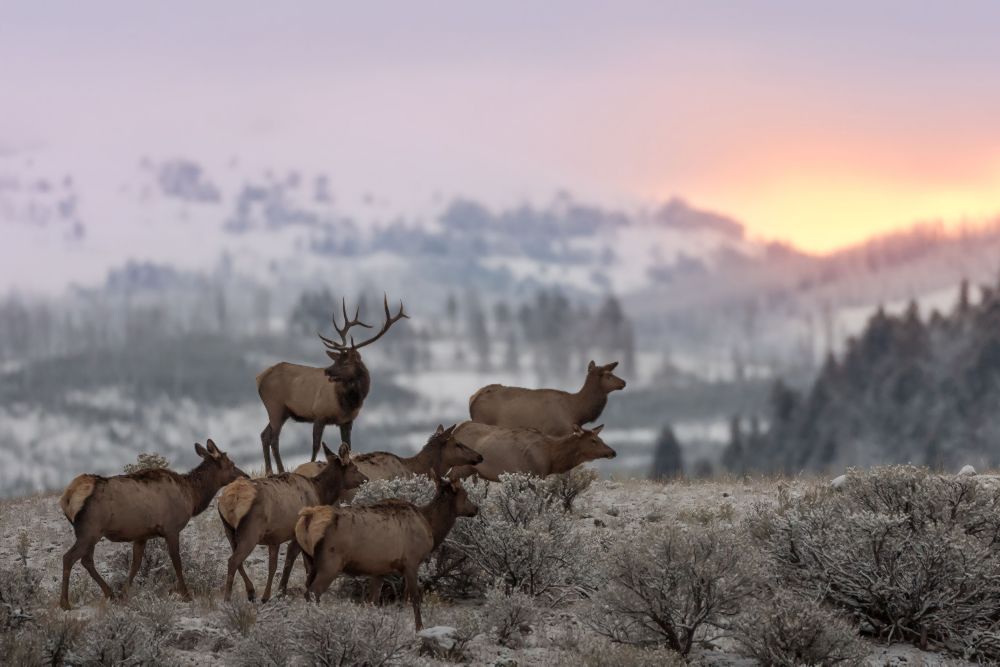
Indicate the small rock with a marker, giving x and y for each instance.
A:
(440, 636)
(599, 523)
(839, 481)
(725, 494)
(967, 471)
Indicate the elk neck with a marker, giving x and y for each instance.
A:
(563, 454)
(352, 392)
(202, 485)
(328, 484)
(427, 460)
(589, 402)
(440, 513)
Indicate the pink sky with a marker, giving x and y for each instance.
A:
(818, 123)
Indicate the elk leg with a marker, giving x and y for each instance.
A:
(265, 441)
(345, 432)
(324, 571)
(174, 549)
(275, 434)
(374, 589)
(138, 550)
(88, 564)
(228, 588)
(291, 553)
(318, 427)
(272, 566)
(310, 571)
(74, 554)
(413, 591)
(241, 550)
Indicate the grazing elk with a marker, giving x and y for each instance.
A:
(332, 395)
(135, 507)
(551, 411)
(529, 451)
(389, 537)
(442, 452)
(264, 511)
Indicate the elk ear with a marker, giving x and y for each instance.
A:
(450, 429)
(327, 453)
(200, 451)
(591, 366)
(598, 429)
(332, 355)
(440, 429)
(212, 449)
(345, 452)
(577, 429)
(611, 366)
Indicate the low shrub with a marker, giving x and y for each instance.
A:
(565, 488)
(509, 615)
(146, 461)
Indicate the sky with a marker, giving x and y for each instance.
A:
(818, 123)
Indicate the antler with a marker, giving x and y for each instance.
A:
(389, 321)
(348, 323)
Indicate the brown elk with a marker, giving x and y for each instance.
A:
(264, 511)
(551, 411)
(441, 453)
(390, 537)
(136, 507)
(529, 451)
(321, 396)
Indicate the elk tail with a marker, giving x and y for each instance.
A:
(311, 527)
(236, 500)
(75, 496)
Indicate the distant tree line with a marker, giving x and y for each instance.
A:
(908, 388)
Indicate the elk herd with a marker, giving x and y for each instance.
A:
(536, 431)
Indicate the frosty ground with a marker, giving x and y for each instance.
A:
(557, 629)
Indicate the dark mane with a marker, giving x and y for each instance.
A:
(154, 475)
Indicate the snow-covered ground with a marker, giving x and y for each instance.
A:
(33, 530)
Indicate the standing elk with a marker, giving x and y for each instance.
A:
(529, 451)
(389, 537)
(135, 507)
(264, 511)
(322, 396)
(551, 411)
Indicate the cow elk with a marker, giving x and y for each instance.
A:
(529, 451)
(136, 507)
(389, 537)
(551, 411)
(264, 511)
(321, 396)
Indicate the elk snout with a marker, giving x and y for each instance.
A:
(610, 454)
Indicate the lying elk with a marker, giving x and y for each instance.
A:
(529, 451)
(441, 453)
(332, 395)
(264, 511)
(389, 537)
(550, 411)
(135, 507)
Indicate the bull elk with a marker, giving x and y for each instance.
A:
(551, 411)
(321, 396)
(389, 537)
(529, 451)
(264, 511)
(136, 507)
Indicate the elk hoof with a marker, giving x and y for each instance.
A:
(65, 605)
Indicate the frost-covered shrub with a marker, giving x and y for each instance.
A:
(46, 639)
(519, 539)
(417, 489)
(588, 650)
(450, 573)
(668, 588)
(239, 616)
(787, 630)
(912, 556)
(146, 461)
(565, 488)
(341, 633)
(509, 615)
(466, 624)
(203, 568)
(18, 595)
(118, 637)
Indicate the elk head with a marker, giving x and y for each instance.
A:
(347, 364)
(605, 378)
(589, 445)
(448, 452)
(217, 463)
(450, 487)
(341, 467)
